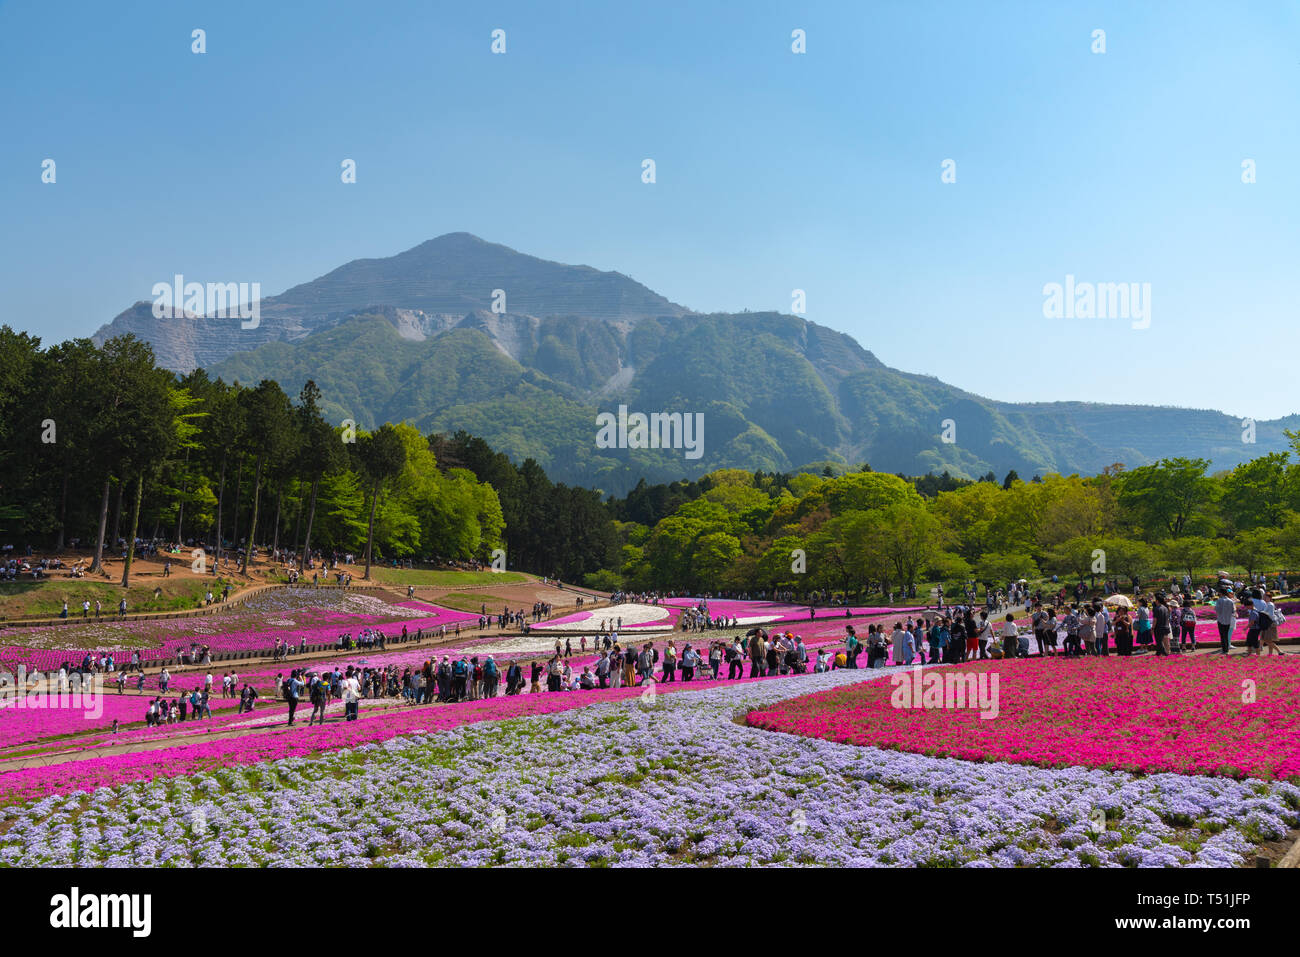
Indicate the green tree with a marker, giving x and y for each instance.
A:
(999, 568)
(271, 438)
(1170, 497)
(1254, 549)
(1134, 560)
(1255, 493)
(905, 537)
(381, 456)
(1191, 553)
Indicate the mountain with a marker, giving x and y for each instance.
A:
(427, 290)
(413, 337)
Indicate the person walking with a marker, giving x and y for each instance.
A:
(984, 635)
(690, 661)
(1268, 620)
(670, 662)
(319, 697)
(292, 690)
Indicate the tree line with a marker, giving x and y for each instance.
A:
(99, 444)
(864, 532)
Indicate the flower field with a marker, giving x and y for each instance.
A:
(673, 783)
(1196, 715)
(45, 649)
(806, 770)
(665, 615)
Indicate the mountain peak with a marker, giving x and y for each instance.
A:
(448, 276)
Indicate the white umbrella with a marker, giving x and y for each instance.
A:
(1120, 600)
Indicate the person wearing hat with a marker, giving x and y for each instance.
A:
(690, 661)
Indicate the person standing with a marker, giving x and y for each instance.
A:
(351, 696)
(629, 666)
(736, 660)
(1087, 633)
(1160, 625)
(1010, 637)
(670, 661)
(1142, 625)
(1070, 622)
(1123, 633)
(1187, 627)
(851, 646)
(1225, 617)
(616, 666)
(1101, 624)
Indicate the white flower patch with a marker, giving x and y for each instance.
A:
(644, 616)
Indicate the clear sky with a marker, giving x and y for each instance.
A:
(775, 171)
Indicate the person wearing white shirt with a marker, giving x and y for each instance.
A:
(1010, 637)
(351, 696)
(1101, 625)
(985, 634)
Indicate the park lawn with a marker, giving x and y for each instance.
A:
(45, 598)
(442, 578)
(473, 602)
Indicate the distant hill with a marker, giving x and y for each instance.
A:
(413, 337)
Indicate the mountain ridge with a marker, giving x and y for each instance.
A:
(416, 337)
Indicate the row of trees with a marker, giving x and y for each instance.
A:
(740, 531)
(89, 431)
(99, 444)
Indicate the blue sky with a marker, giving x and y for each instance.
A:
(775, 171)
